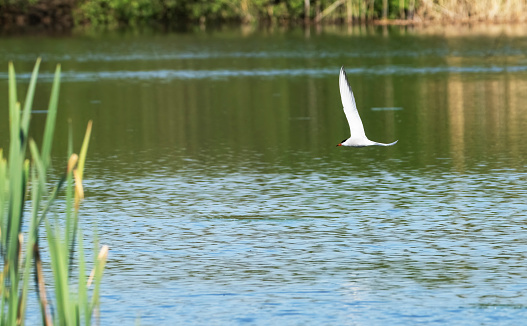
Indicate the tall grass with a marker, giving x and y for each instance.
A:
(25, 198)
(116, 13)
(473, 10)
(170, 13)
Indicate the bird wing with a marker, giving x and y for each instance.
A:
(350, 108)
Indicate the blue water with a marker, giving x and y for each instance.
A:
(371, 248)
(213, 175)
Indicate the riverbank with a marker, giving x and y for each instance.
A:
(55, 15)
(66, 15)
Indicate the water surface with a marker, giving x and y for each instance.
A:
(214, 177)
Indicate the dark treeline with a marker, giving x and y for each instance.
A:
(66, 14)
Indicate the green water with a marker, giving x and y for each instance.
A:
(215, 178)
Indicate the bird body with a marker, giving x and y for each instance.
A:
(357, 135)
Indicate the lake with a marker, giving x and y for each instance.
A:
(213, 173)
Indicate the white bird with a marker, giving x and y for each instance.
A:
(358, 137)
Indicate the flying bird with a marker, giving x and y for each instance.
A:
(358, 137)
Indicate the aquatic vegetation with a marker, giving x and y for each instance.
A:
(28, 208)
(140, 12)
(65, 14)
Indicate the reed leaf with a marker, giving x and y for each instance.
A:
(28, 103)
(72, 163)
(12, 91)
(79, 190)
(84, 310)
(16, 198)
(14, 122)
(50, 120)
(99, 269)
(84, 150)
(31, 244)
(40, 181)
(3, 198)
(41, 288)
(59, 265)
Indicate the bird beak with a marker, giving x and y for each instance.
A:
(339, 145)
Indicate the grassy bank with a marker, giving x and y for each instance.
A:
(29, 213)
(169, 13)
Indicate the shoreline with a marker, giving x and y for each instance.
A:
(65, 16)
(421, 28)
(421, 25)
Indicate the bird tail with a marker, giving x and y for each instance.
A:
(390, 144)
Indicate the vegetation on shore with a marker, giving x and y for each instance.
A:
(28, 208)
(129, 13)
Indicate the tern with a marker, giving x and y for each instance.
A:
(358, 137)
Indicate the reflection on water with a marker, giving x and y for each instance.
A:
(214, 176)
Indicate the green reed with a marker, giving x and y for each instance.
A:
(25, 198)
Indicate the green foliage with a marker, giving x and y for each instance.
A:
(21, 180)
(114, 13)
(122, 13)
(96, 13)
(135, 12)
(130, 12)
(20, 3)
(295, 8)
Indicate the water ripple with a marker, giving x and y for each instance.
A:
(167, 75)
(359, 247)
